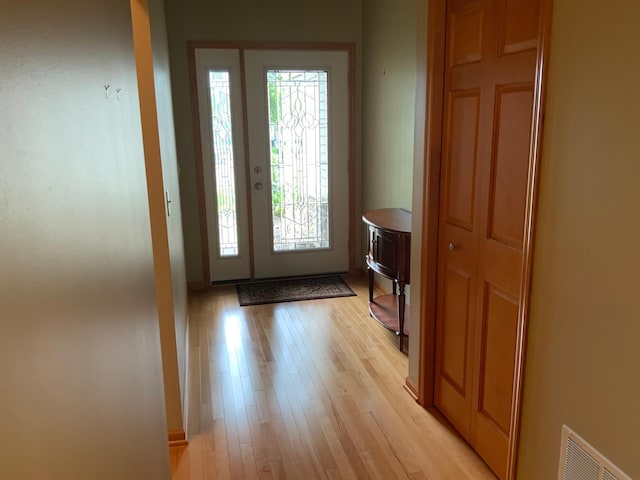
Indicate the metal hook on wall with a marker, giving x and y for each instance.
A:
(108, 93)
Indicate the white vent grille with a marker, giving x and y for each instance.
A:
(580, 461)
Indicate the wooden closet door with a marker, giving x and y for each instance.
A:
(489, 82)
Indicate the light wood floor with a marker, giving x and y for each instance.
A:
(307, 390)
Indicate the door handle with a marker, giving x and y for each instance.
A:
(453, 246)
(258, 186)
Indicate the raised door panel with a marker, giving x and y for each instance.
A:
(497, 347)
(455, 330)
(497, 343)
(466, 35)
(510, 162)
(461, 157)
(453, 395)
(519, 25)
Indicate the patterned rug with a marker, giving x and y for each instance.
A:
(292, 290)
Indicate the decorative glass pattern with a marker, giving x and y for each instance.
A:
(222, 140)
(299, 131)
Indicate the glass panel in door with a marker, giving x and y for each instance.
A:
(223, 160)
(299, 159)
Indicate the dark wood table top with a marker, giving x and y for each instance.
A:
(395, 220)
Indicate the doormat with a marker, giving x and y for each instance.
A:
(293, 290)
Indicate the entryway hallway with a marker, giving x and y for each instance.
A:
(307, 390)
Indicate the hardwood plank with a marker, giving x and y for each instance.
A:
(218, 463)
(345, 470)
(261, 443)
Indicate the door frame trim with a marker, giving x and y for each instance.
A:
(433, 79)
(192, 45)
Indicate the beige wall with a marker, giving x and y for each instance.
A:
(162, 182)
(81, 384)
(388, 104)
(251, 20)
(583, 355)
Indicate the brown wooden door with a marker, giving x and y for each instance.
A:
(488, 99)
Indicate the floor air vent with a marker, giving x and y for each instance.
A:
(580, 461)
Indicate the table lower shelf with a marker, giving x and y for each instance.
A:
(385, 310)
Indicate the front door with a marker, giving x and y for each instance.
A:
(274, 128)
(489, 83)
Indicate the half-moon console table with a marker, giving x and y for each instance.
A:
(389, 256)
